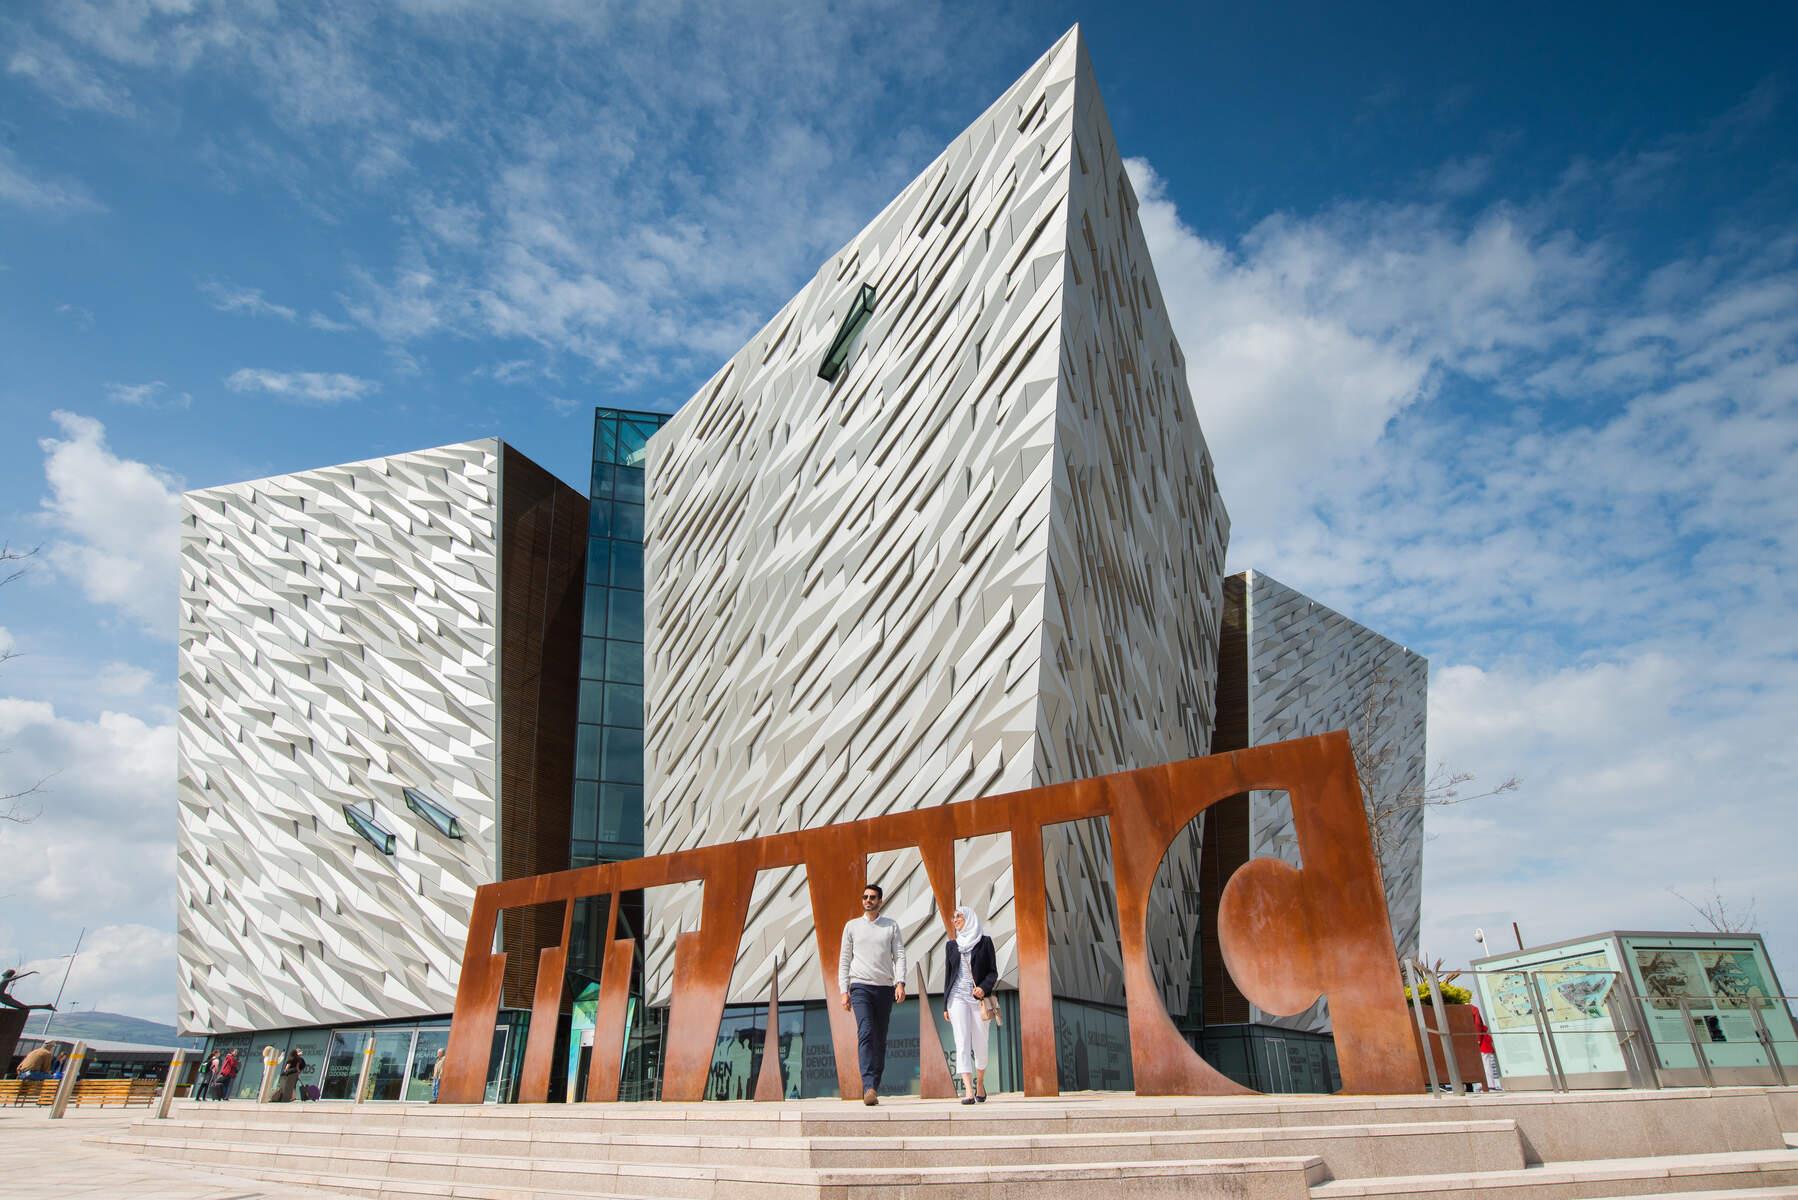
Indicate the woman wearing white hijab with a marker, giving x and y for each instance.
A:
(970, 973)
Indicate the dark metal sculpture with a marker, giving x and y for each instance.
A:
(1288, 934)
(14, 1013)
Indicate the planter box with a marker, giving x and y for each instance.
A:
(1464, 1036)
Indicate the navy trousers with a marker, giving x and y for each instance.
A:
(873, 1008)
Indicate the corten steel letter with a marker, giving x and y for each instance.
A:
(933, 1069)
(606, 1067)
(835, 870)
(1036, 1004)
(768, 1083)
(1289, 935)
(703, 959)
(1144, 823)
(477, 1008)
(546, 1007)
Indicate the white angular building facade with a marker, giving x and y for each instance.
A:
(345, 634)
(987, 556)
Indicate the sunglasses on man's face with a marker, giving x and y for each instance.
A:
(869, 896)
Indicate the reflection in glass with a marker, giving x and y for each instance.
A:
(624, 705)
(624, 662)
(627, 564)
(586, 752)
(387, 1072)
(627, 521)
(586, 810)
(340, 1066)
(593, 658)
(424, 1058)
(625, 616)
(624, 756)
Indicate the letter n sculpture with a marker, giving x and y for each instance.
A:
(1288, 934)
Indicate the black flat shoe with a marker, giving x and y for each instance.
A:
(969, 1100)
(979, 1098)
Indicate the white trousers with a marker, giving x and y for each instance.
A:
(970, 1037)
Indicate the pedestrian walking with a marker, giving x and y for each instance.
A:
(970, 973)
(437, 1075)
(225, 1076)
(289, 1080)
(871, 978)
(209, 1069)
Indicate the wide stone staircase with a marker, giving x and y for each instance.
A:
(1698, 1144)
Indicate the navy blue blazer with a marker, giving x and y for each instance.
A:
(984, 963)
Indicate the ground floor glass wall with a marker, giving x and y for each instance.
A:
(399, 1069)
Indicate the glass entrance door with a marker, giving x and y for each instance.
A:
(387, 1074)
(341, 1066)
(424, 1061)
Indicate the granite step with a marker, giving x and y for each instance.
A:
(1349, 1151)
(1738, 1174)
(1262, 1178)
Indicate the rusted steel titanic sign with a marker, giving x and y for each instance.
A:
(1288, 934)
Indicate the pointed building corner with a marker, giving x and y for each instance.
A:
(1137, 543)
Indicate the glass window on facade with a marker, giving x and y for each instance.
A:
(608, 769)
(608, 789)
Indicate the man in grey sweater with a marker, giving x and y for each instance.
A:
(871, 977)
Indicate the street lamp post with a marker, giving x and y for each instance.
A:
(51, 1019)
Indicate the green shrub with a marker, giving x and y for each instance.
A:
(1450, 994)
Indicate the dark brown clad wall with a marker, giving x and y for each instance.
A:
(1227, 824)
(543, 553)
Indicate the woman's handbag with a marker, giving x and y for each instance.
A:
(989, 1009)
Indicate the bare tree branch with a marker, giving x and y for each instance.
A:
(1374, 712)
(8, 556)
(1718, 914)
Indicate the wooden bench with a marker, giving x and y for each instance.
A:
(93, 1092)
(17, 1092)
(123, 1092)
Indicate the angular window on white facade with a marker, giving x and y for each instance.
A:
(363, 823)
(426, 806)
(853, 323)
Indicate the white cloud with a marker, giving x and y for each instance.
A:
(100, 852)
(1564, 473)
(231, 298)
(154, 394)
(116, 522)
(1286, 390)
(1651, 771)
(81, 316)
(57, 197)
(127, 968)
(302, 387)
(63, 78)
(119, 679)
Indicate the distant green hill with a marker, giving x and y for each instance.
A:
(111, 1027)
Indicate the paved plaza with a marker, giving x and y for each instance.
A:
(41, 1159)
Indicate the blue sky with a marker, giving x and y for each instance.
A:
(1491, 319)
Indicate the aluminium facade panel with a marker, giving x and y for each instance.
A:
(1136, 564)
(338, 642)
(347, 633)
(1311, 670)
(855, 588)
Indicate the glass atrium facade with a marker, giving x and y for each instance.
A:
(608, 767)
